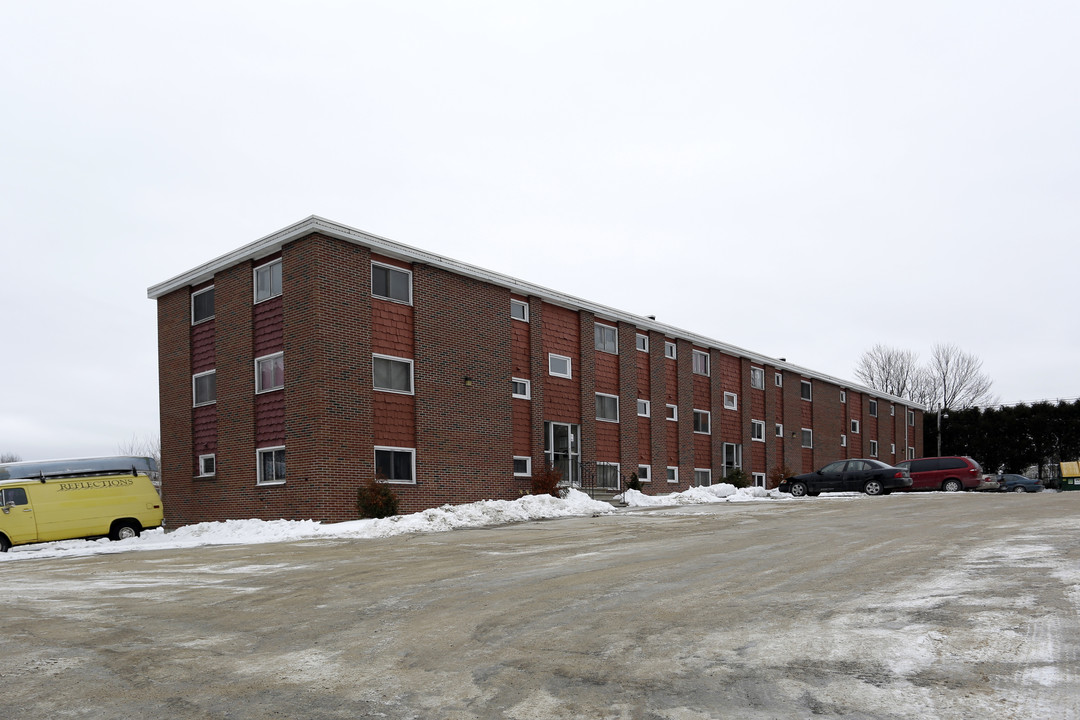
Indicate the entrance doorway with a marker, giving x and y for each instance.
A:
(562, 450)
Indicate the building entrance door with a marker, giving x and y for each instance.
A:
(562, 449)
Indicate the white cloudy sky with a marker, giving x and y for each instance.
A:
(801, 178)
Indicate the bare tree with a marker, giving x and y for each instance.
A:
(6, 457)
(951, 379)
(889, 370)
(149, 446)
(956, 379)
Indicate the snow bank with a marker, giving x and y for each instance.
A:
(721, 492)
(242, 532)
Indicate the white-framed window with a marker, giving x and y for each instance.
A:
(911, 418)
(202, 305)
(731, 401)
(703, 422)
(607, 407)
(757, 430)
(843, 440)
(204, 388)
(559, 365)
(854, 427)
(892, 448)
(806, 390)
(843, 396)
(267, 281)
(522, 466)
(759, 479)
(873, 448)
(607, 338)
(391, 283)
(911, 453)
(519, 310)
(207, 465)
(520, 388)
(702, 477)
(672, 474)
(670, 350)
(757, 378)
(644, 408)
(701, 362)
(779, 430)
(672, 412)
(392, 374)
(643, 473)
(642, 342)
(607, 475)
(396, 464)
(269, 373)
(271, 465)
(807, 438)
(778, 378)
(873, 408)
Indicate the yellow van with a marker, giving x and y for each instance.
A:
(48, 500)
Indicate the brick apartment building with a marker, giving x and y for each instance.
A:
(298, 366)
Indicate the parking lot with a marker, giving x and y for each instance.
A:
(934, 605)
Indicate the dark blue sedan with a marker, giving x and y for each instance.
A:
(1018, 483)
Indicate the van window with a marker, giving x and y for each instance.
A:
(952, 464)
(13, 496)
(924, 465)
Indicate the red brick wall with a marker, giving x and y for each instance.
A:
(174, 398)
(464, 433)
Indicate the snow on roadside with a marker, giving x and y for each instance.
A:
(721, 492)
(448, 517)
(242, 532)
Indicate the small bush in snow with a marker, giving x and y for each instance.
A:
(375, 499)
(546, 482)
(633, 483)
(738, 478)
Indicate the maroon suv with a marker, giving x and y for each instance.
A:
(950, 474)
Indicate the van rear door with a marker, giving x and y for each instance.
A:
(17, 516)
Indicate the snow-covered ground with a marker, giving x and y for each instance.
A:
(448, 517)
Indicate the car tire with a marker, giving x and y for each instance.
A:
(952, 486)
(124, 530)
(1019, 489)
(874, 487)
(5, 544)
(798, 489)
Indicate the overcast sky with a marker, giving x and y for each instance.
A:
(802, 179)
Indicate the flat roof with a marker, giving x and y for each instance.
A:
(314, 224)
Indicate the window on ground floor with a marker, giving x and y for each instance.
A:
(807, 438)
(395, 464)
(732, 457)
(271, 465)
(759, 479)
(607, 475)
(702, 477)
(643, 473)
(522, 466)
(873, 448)
(672, 474)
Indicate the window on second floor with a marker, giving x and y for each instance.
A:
(559, 365)
(757, 430)
(642, 342)
(757, 378)
(391, 283)
(670, 350)
(644, 408)
(607, 407)
(807, 438)
(268, 281)
(202, 305)
(873, 448)
(701, 363)
(521, 388)
(806, 390)
(703, 422)
(519, 310)
(607, 338)
(731, 401)
(270, 373)
(204, 388)
(392, 374)
(854, 427)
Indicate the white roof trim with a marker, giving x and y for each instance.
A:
(314, 224)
